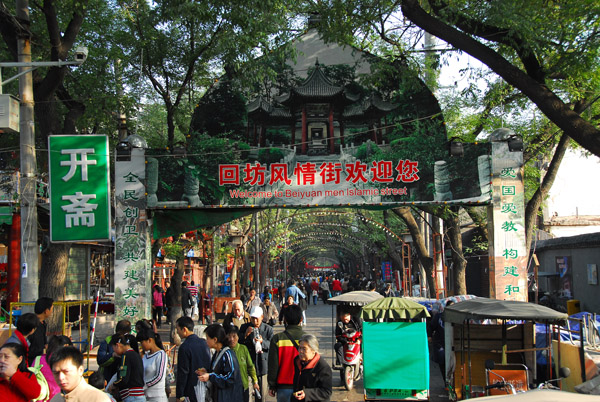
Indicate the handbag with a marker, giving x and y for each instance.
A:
(202, 392)
(170, 372)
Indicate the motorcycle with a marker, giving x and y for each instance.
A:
(352, 357)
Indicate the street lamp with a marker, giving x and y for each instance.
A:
(28, 193)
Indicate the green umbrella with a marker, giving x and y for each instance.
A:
(395, 308)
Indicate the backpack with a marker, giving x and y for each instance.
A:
(36, 369)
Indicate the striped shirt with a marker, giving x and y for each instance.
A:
(155, 369)
(193, 290)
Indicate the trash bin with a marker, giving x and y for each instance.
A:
(573, 307)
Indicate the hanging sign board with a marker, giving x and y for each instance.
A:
(347, 178)
(79, 188)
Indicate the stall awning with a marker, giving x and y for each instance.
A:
(356, 298)
(483, 308)
(394, 308)
(171, 222)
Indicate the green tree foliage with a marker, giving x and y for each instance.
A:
(546, 50)
(178, 43)
(222, 109)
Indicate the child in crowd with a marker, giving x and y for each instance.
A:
(96, 380)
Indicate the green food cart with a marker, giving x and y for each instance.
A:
(395, 350)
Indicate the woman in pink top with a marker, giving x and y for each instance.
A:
(54, 343)
(157, 304)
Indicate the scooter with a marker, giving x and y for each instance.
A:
(352, 358)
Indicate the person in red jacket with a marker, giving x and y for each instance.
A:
(336, 287)
(17, 384)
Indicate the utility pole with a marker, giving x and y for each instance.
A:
(29, 216)
(256, 254)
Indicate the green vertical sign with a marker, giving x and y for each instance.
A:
(79, 188)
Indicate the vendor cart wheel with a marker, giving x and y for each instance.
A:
(348, 377)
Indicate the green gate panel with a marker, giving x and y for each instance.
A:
(396, 355)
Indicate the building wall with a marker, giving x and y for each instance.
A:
(586, 293)
(566, 231)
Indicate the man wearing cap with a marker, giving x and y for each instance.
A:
(257, 338)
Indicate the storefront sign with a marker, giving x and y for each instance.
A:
(79, 188)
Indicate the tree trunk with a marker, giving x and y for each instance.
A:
(533, 206)
(54, 269)
(237, 261)
(392, 244)
(452, 222)
(170, 126)
(479, 217)
(176, 286)
(418, 243)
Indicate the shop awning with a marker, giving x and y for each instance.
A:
(482, 308)
(395, 308)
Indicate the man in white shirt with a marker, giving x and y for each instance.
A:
(67, 367)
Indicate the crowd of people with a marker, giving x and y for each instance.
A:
(250, 356)
(34, 367)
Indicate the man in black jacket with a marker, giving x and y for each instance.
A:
(187, 301)
(38, 340)
(193, 354)
(257, 338)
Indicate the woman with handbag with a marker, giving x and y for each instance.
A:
(130, 376)
(224, 373)
(270, 312)
(155, 362)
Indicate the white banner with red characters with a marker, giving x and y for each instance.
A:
(335, 180)
(321, 268)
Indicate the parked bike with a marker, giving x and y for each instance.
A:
(352, 357)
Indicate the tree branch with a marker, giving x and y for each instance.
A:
(494, 34)
(586, 134)
(535, 202)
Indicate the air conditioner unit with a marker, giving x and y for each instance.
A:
(9, 114)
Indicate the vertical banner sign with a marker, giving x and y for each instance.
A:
(131, 239)
(508, 254)
(79, 188)
(386, 270)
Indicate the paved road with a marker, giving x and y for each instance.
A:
(319, 323)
